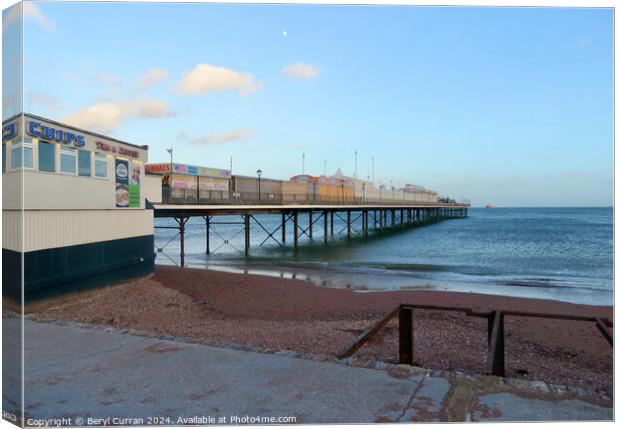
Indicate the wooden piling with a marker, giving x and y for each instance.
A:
(405, 334)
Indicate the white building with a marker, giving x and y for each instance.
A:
(73, 209)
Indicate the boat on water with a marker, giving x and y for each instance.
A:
(488, 206)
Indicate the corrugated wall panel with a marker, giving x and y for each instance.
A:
(46, 229)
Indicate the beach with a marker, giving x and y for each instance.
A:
(220, 308)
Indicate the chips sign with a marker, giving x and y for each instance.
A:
(36, 129)
(9, 131)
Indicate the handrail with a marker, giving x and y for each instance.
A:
(495, 330)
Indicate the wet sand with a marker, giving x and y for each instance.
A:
(284, 314)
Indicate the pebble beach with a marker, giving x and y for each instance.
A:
(219, 308)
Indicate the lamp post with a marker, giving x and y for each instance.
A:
(258, 173)
(171, 170)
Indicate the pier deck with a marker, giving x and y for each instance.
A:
(375, 216)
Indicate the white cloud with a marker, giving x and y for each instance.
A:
(301, 71)
(205, 78)
(30, 10)
(152, 77)
(108, 116)
(146, 107)
(239, 134)
(102, 117)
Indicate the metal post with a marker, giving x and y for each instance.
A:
(325, 227)
(246, 221)
(208, 225)
(349, 223)
(405, 336)
(393, 217)
(295, 230)
(365, 220)
(181, 222)
(284, 228)
(332, 223)
(310, 223)
(401, 217)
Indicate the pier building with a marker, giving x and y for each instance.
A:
(73, 208)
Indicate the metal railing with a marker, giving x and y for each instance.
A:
(495, 364)
(193, 197)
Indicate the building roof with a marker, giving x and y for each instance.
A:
(51, 121)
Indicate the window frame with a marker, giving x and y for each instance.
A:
(67, 151)
(90, 163)
(100, 157)
(54, 145)
(26, 144)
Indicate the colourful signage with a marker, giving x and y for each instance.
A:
(105, 147)
(189, 170)
(35, 129)
(122, 183)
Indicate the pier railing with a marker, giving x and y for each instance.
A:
(195, 197)
(495, 364)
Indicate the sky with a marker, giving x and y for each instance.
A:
(502, 106)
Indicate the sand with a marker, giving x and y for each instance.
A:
(283, 314)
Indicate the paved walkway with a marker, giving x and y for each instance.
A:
(82, 373)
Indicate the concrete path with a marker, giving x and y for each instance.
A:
(76, 373)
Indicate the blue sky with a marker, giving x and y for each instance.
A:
(505, 106)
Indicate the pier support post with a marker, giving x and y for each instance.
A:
(405, 336)
(295, 229)
(349, 223)
(393, 217)
(246, 222)
(182, 221)
(401, 217)
(208, 230)
(284, 228)
(310, 224)
(331, 221)
(365, 219)
(325, 228)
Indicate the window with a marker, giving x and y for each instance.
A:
(68, 160)
(21, 155)
(84, 163)
(101, 165)
(47, 157)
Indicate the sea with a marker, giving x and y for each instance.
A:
(563, 254)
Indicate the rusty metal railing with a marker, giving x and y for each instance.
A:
(495, 331)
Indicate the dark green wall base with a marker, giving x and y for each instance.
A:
(52, 272)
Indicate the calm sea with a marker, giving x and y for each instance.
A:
(563, 254)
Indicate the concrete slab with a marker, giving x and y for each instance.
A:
(77, 373)
(511, 407)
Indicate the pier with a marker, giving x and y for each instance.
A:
(358, 219)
